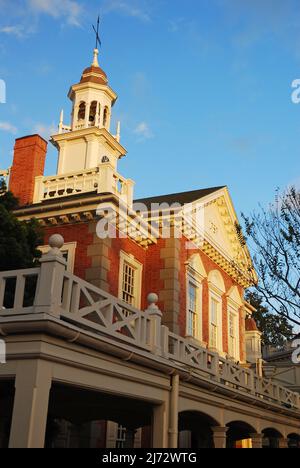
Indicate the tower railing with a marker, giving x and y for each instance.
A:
(101, 179)
(50, 291)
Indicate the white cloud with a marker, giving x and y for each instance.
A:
(45, 130)
(8, 127)
(143, 131)
(22, 19)
(70, 10)
(136, 9)
(17, 30)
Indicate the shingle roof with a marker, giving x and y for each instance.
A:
(181, 198)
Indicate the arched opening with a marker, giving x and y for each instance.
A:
(81, 111)
(294, 441)
(93, 112)
(239, 435)
(80, 418)
(7, 394)
(105, 117)
(271, 438)
(195, 430)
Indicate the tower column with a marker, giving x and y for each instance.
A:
(101, 119)
(87, 114)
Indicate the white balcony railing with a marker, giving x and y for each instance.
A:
(102, 179)
(53, 291)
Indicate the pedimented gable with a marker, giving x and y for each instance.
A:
(218, 221)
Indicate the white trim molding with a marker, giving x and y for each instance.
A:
(138, 268)
(195, 274)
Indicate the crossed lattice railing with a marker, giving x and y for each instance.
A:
(88, 306)
(51, 290)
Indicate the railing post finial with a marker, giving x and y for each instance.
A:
(56, 242)
(51, 278)
(155, 317)
(153, 308)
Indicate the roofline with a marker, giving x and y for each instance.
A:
(213, 189)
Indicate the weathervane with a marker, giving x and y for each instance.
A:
(98, 40)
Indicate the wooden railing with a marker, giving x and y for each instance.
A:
(66, 185)
(51, 290)
(101, 179)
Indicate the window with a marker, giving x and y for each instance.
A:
(235, 305)
(128, 284)
(232, 334)
(121, 437)
(130, 280)
(216, 292)
(195, 276)
(93, 112)
(68, 251)
(214, 323)
(192, 311)
(81, 111)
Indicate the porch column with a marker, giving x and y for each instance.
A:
(160, 426)
(257, 441)
(32, 389)
(283, 443)
(174, 404)
(219, 436)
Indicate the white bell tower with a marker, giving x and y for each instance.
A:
(87, 142)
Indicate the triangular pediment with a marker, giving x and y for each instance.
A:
(218, 223)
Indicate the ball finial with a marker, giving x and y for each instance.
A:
(152, 298)
(56, 241)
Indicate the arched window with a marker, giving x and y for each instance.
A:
(195, 275)
(105, 117)
(81, 111)
(234, 302)
(93, 112)
(216, 292)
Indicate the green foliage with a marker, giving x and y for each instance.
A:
(18, 240)
(276, 330)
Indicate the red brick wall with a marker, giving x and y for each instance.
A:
(129, 247)
(151, 281)
(154, 264)
(28, 163)
(75, 233)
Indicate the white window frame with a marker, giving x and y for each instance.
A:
(193, 278)
(70, 248)
(138, 267)
(216, 295)
(233, 309)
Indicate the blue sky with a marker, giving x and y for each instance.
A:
(204, 86)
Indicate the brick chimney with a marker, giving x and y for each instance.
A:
(29, 162)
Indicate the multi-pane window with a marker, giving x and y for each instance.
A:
(214, 308)
(128, 284)
(232, 334)
(192, 310)
(121, 437)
